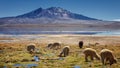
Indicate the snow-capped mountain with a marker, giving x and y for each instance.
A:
(55, 13)
(49, 15)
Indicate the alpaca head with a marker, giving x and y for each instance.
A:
(113, 61)
(98, 57)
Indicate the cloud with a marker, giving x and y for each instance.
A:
(116, 19)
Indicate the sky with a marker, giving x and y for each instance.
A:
(99, 9)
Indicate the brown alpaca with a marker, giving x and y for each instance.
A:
(107, 55)
(65, 51)
(92, 53)
(49, 45)
(80, 44)
(55, 46)
(31, 47)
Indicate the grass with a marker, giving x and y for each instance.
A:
(14, 53)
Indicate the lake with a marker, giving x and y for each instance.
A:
(62, 32)
(14, 30)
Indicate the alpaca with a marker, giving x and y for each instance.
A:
(55, 46)
(80, 44)
(31, 47)
(92, 53)
(65, 51)
(107, 55)
(49, 45)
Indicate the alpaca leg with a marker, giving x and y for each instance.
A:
(91, 58)
(61, 54)
(106, 60)
(65, 54)
(68, 53)
(86, 58)
(102, 61)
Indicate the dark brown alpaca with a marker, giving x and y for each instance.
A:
(65, 51)
(55, 46)
(107, 55)
(49, 45)
(80, 44)
(31, 47)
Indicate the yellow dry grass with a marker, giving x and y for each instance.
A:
(15, 51)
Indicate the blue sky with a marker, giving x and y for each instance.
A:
(100, 9)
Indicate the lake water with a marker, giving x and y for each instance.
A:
(57, 30)
(109, 33)
(62, 32)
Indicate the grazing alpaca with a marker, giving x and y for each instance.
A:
(65, 51)
(31, 47)
(94, 44)
(90, 52)
(55, 46)
(49, 45)
(107, 55)
(80, 44)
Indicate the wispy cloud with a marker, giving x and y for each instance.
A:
(116, 19)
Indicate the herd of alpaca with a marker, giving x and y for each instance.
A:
(54, 46)
(105, 54)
